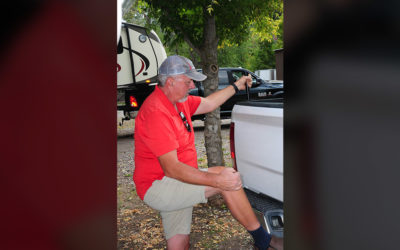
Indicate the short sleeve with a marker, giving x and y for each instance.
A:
(193, 102)
(157, 133)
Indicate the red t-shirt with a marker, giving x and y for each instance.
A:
(158, 130)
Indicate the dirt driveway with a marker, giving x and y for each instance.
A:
(139, 226)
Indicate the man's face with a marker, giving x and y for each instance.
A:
(182, 85)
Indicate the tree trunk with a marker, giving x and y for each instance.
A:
(212, 124)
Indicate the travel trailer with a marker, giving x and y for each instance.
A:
(140, 53)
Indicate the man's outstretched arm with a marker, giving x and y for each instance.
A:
(216, 99)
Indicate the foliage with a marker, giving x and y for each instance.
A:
(264, 34)
(234, 19)
(251, 54)
(268, 27)
(256, 52)
(136, 14)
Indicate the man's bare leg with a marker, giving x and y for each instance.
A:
(240, 208)
(237, 203)
(178, 242)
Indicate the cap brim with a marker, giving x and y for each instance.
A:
(197, 76)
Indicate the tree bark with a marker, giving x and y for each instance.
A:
(212, 124)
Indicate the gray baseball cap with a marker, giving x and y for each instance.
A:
(179, 65)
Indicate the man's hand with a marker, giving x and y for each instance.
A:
(241, 83)
(229, 180)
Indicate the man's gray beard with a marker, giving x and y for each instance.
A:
(184, 98)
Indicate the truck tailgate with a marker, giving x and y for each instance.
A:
(261, 172)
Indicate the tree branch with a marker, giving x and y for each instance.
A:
(189, 42)
(185, 36)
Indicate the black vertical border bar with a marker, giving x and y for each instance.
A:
(154, 51)
(130, 54)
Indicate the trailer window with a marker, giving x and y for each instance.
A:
(120, 47)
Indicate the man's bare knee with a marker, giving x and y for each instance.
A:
(211, 191)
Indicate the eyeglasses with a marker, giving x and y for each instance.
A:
(187, 81)
(185, 122)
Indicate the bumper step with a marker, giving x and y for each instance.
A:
(268, 211)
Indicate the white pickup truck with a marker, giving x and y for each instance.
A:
(256, 139)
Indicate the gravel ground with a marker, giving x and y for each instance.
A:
(139, 227)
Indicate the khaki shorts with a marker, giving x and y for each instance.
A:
(175, 200)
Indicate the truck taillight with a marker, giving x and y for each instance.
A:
(133, 102)
(232, 144)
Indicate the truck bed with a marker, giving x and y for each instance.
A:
(257, 146)
(258, 138)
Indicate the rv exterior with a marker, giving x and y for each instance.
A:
(140, 53)
(266, 74)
